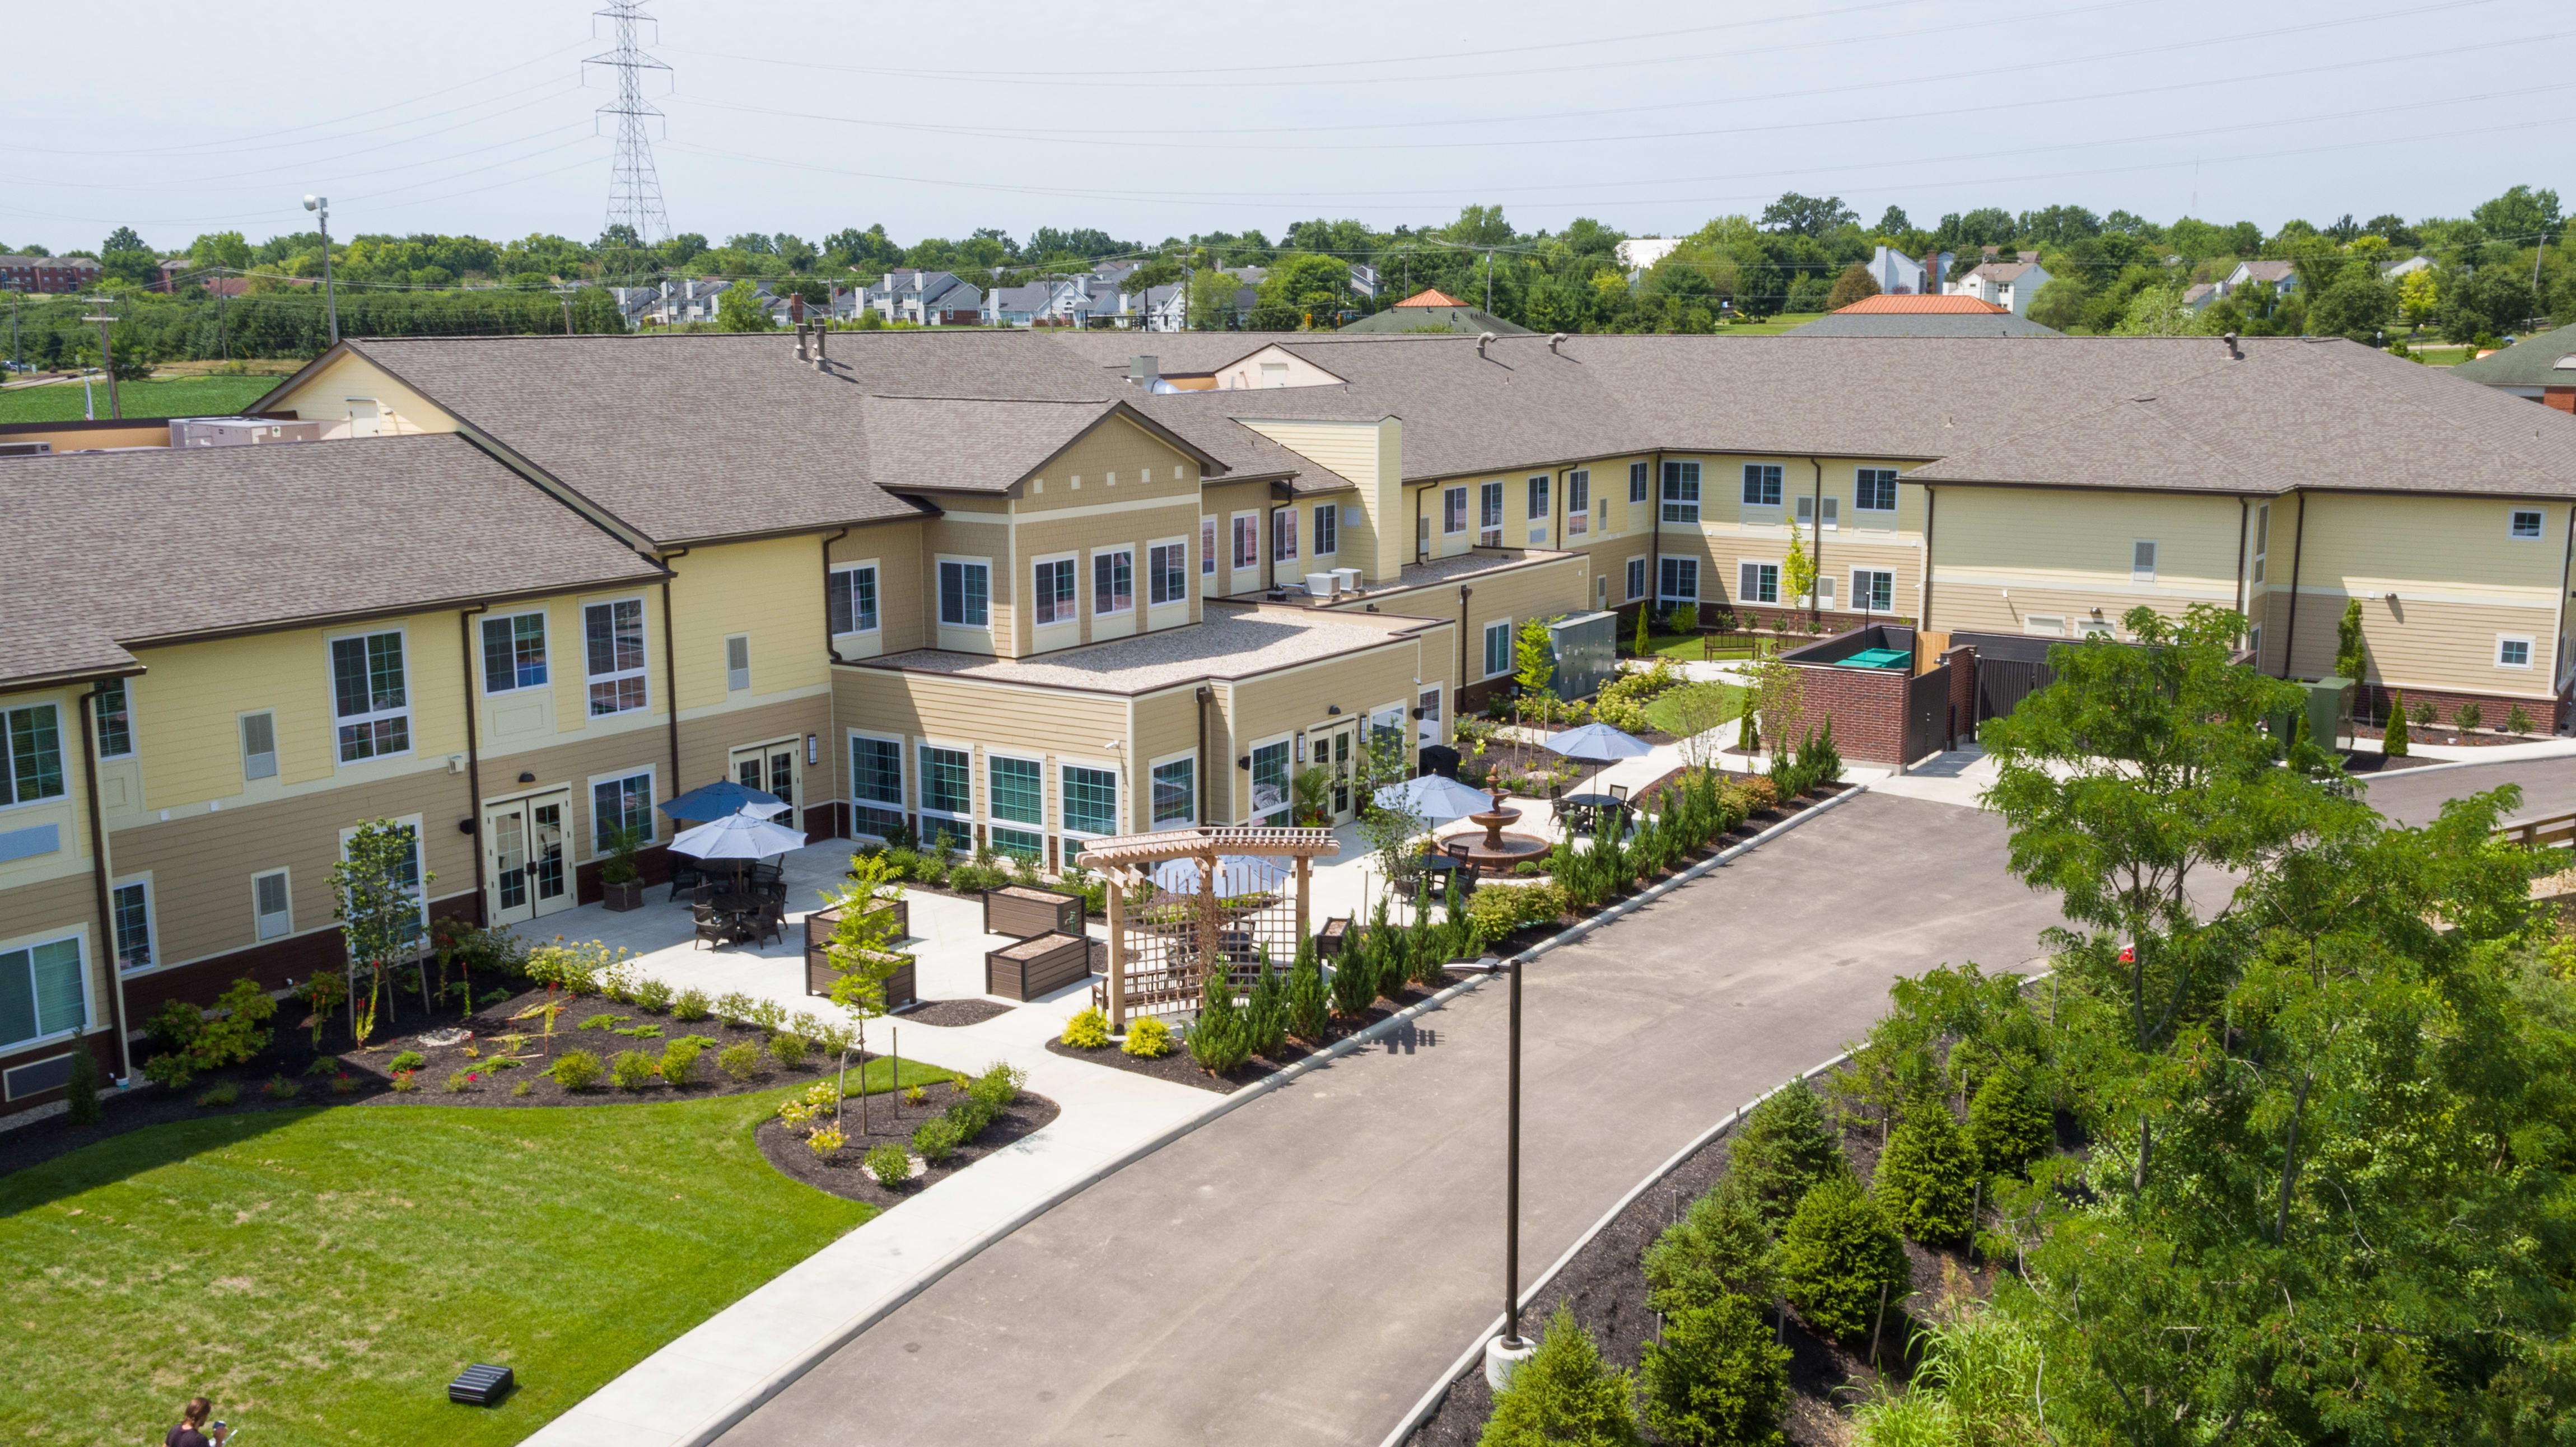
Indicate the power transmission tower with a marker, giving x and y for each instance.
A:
(634, 187)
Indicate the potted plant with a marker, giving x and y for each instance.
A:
(621, 878)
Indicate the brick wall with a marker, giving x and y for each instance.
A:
(1867, 706)
(2370, 703)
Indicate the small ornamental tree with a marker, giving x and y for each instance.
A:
(2394, 742)
(2009, 1123)
(1928, 1177)
(2350, 656)
(1641, 645)
(1720, 1247)
(377, 888)
(1798, 570)
(1534, 657)
(1564, 1396)
(1717, 1379)
(859, 955)
(1841, 1258)
(1784, 1150)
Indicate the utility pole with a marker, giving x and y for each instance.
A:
(635, 186)
(106, 355)
(321, 206)
(223, 323)
(565, 292)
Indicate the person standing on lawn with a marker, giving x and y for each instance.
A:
(191, 1431)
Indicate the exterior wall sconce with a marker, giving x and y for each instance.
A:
(526, 777)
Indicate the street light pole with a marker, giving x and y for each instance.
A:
(1508, 1350)
(106, 356)
(321, 207)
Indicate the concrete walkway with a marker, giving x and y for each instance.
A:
(1297, 1271)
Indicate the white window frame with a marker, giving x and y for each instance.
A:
(844, 586)
(545, 649)
(900, 804)
(1542, 497)
(2508, 640)
(1502, 626)
(372, 716)
(1763, 482)
(590, 805)
(2513, 523)
(1578, 502)
(2043, 625)
(241, 733)
(1245, 552)
(1865, 484)
(1207, 545)
(1807, 511)
(1432, 704)
(285, 917)
(964, 818)
(2096, 627)
(2142, 560)
(1154, 822)
(8, 756)
(78, 938)
(1287, 804)
(1638, 569)
(1864, 590)
(1453, 511)
(940, 564)
(2262, 537)
(1490, 507)
(737, 648)
(1158, 566)
(1110, 556)
(615, 677)
(1750, 581)
(419, 861)
(1065, 832)
(1036, 829)
(1070, 613)
(1679, 497)
(1328, 529)
(1283, 534)
(151, 924)
(1664, 594)
(1640, 482)
(125, 706)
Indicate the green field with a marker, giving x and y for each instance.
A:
(1664, 709)
(1771, 328)
(322, 1274)
(194, 397)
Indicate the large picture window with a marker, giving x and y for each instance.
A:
(1176, 794)
(1016, 795)
(1090, 801)
(35, 739)
(369, 700)
(1113, 581)
(617, 804)
(1678, 580)
(613, 648)
(1167, 573)
(1681, 492)
(876, 787)
(1270, 783)
(965, 595)
(1053, 593)
(40, 991)
(1761, 484)
(514, 652)
(853, 600)
(947, 782)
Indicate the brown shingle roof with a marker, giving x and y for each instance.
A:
(120, 548)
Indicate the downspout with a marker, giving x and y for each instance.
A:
(831, 696)
(473, 754)
(1203, 698)
(1816, 548)
(834, 653)
(1654, 541)
(671, 668)
(2558, 664)
(98, 870)
(1421, 534)
(1464, 593)
(2298, 544)
(2244, 527)
(1930, 499)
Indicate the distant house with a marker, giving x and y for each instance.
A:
(1891, 314)
(1431, 310)
(46, 273)
(2008, 284)
(926, 298)
(1898, 274)
(2408, 267)
(2281, 276)
(2200, 294)
(2541, 367)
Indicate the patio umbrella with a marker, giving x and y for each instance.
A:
(721, 798)
(1597, 743)
(1235, 874)
(737, 836)
(1436, 798)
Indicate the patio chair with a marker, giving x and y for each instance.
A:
(770, 922)
(684, 875)
(702, 894)
(709, 924)
(764, 872)
(1618, 792)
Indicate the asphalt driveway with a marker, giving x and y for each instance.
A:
(1301, 1269)
(2413, 796)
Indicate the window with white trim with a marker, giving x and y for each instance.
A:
(738, 663)
(272, 904)
(1761, 484)
(2142, 561)
(1176, 794)
(1874, 489)
(35, 739)
(2262, 538)
(1015, 795)
(1489, 515)
(370, 701)
(853, 599)
(1113, 581)
(1328, 529)
(965, 594)
(1636, 579)
(624, 803)
(613, 651)
(42, 992)
(1539, 505)
(1498, 648)
(947, 784)
(131, 906)
(2525, 523)
(1283, 534)
(2513, 652)
(1677, 580)
(514, 652)
(1757, 582)
(1681, 492)
(1207, 547)
(1270, 796)
(115, 720)
(259, 745)
(1578, 503)
(876, 787)
(1090, 802)
(1167, 573)
(408, 872)
(1636, 482)
(1247, 540)
(1453, 510)
(1052, 593)
(1874, 590)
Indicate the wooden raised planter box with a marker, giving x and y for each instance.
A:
(819, 974)
(1024, 912)
(1037, 966)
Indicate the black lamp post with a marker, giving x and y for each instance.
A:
(1509, 1347)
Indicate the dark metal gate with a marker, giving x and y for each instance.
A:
(1927, 714)
(2002, 683)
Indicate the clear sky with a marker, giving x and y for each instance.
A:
(1147, 121)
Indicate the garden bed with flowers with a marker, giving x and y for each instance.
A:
(845, 1151)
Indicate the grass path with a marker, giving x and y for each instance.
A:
(195, 397)
(322, 1273)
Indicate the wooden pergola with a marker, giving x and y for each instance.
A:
(1127, 860)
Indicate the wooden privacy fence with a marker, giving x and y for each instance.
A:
(2551, 829)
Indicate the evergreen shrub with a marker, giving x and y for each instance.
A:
(1784, 1150)
(1564, 1396)
(1840, 1258)
(1928, 1177)
(1717, 1379)
(2009, 1123)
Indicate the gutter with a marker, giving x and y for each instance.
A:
(1655, 538)
(473, 756)
(1931, 499)
(1202, 698)
(671, 666)
(1464, 593)
(2298, 545)
(98, 869)
(2558, 666)
(833, 653)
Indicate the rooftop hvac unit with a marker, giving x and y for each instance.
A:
(1348, 579)
(25, 449)
(1319, 585)
(241, 431)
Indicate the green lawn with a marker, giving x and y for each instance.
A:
(194, 397)
(1771, 328)
(1687, 647)
(322, 1273)
(1664, 709)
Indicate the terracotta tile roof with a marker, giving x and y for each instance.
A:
(1431, 296)
(1894, 303)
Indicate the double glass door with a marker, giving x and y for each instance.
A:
(523, 846)
(771, 767)
(1336, 747)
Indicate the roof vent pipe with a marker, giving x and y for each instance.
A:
(804, 352)
(820, 327)
(1144, 370)
(1481, 339)
(2234, 354)
(1552, 339)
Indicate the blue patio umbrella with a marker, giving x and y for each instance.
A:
(737, 836)
(1436, 798)
(721, 798)
(1597, 743)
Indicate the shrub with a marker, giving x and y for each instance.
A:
(891, 1164)
(1784, 1149)
(2516, 721)
(174, 1026)
(739, 1061)
(1219, 1040)
(691, 1005)
(970, 1116)
(936, 1139)
(1757, 794)
(80, 1089)
(2469, 717)
(1840, 1258)
(1354, 983)
(403, 1080)
(2393, 741)
(733, 1007)
(523, 1087)
(323, 1065)
(171, 1069)
(575, 1070)
(998, 1086)
(2427, 715)
(407, 1060)
(1717, 1378)
(346, 1084)
(1265, 1015)
(915, 1095)
(1720, 1247)
(1496, 910)
(278, 1088)
(769, 1015)
(632, 1070)
(221, 1095)
(1148, 1039)
(2009, 1123)
(1564, 1395)
(1310, 1006)
(825, 1139)
(653, 997)
(459, 1079)
(1088, 1030)
(1928, 1177)
(789, 1048)
(679, 1062)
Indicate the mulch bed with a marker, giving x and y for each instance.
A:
(953, 1013)
(1178, 1068)
(364, 1077)
(2451, 738)
(890, 1122)
(1606, 1287)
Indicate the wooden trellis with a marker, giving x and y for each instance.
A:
(1158, 961)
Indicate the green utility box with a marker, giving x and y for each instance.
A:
(2328, 711)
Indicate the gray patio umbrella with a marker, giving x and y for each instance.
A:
(1597, 743)
(1436, 798)
(737, 836)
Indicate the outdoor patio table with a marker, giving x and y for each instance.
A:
(1587, 807)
